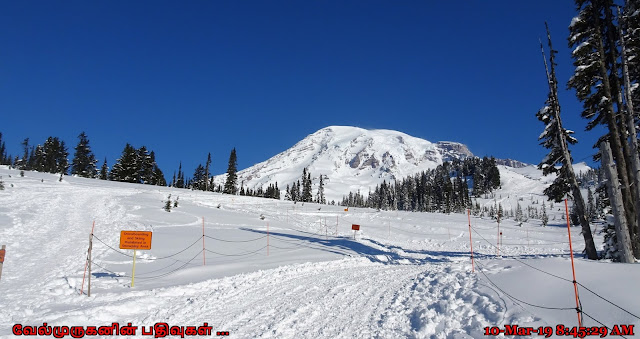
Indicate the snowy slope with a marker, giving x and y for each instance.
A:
(350, 158)
(297, 273)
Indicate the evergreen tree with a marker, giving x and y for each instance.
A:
(287, 195)
(39, 160)
(545, 217)
(126, 167)
(104, 171)
(306, 186)
(167, 204)
(597, 84)
(22, 163)
(180, 183)
(4, 159)
(84, 162)
(556, 138)
(230, 186)
(144, 164)
(158, 176)
(207, 172)
(320, 194)
(198, 182)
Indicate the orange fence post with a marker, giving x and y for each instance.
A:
(470, 241)
(573, 267)
(498, 248)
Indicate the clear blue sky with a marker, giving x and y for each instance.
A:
(186, 78)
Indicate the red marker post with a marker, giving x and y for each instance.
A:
(3, 251)
(355, 229)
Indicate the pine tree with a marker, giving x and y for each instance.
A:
(545, 217)
(84, 162)
(207, 172)
(104, 171)
(167, 204)
(23, 163)
(597, 84)
(320, 194)
(306, 186)
(198, 181)
(158, 176)
(287, 195)
(4, 159)
(126, 168)
(144, 164)
(557, 138)
(230, 186)
(180, 182)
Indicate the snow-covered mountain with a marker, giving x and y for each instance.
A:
(351, 159)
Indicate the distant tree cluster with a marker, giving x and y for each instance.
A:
(443, 189)
(50, 157)
(271, 192)
(202, 179)
(302, 190)
(137, 166)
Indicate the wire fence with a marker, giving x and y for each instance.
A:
(580, 309)
(316, 229)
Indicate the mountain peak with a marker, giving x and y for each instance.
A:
(350, 159)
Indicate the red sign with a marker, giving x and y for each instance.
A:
(355, 227)
(135, 240)
(2, 252)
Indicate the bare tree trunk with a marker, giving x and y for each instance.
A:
(622, 233)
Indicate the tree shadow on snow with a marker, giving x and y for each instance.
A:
(374, 250)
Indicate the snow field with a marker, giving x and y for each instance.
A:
(406, 274)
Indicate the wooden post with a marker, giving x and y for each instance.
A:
(86, 263)
(89, 277)
(2, 253)
(204, 261)
(133, 272)
(573, 267)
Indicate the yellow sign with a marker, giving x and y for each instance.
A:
(135, 240)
